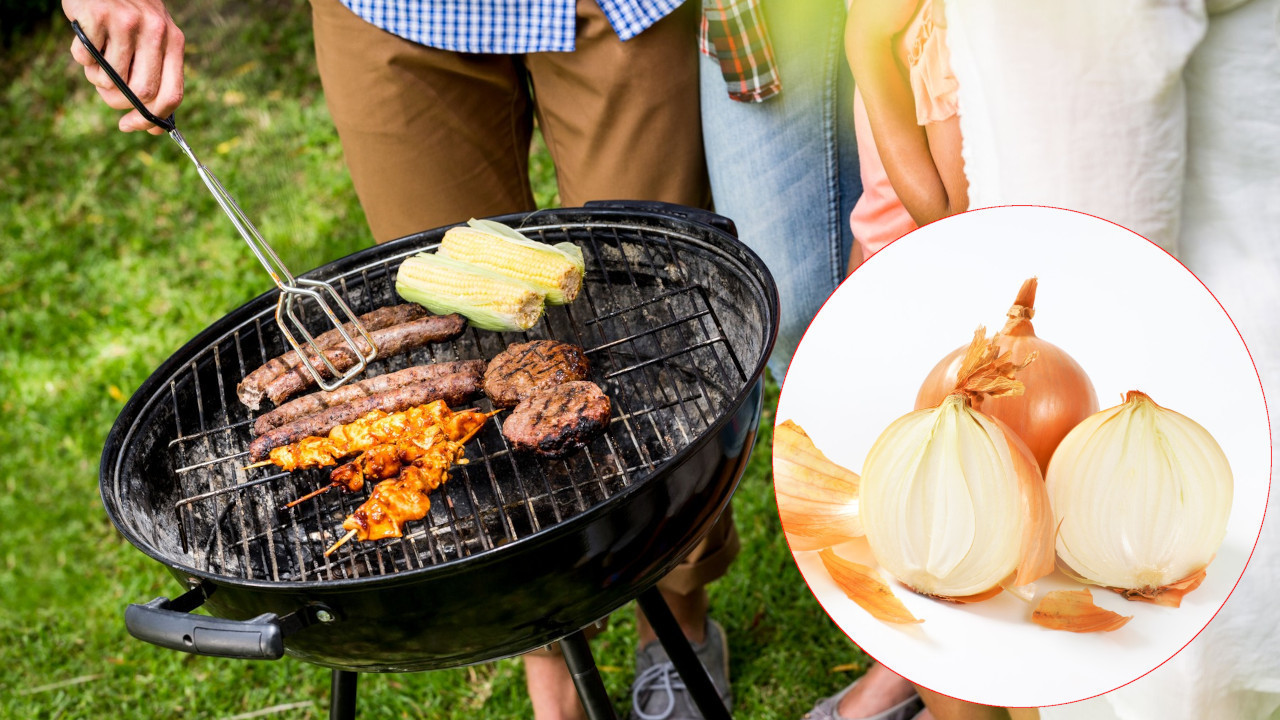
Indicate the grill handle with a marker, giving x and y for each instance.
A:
(170, 624)
(691, 214)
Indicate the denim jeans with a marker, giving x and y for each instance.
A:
(786, 170)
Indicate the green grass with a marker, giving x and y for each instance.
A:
(111, 256)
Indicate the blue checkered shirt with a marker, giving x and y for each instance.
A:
(502, 26)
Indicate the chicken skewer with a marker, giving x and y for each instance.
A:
(376, 428)
(382, 462)
(403, 499)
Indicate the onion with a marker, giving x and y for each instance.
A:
(1142, 495)
(952, 502)
(1058, 392)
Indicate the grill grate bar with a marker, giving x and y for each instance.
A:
(684, 272)
(664, 358)
(625, 417)
(684, 335)
(629, 333)
(634, 336)
(228, 427)
(664, 326)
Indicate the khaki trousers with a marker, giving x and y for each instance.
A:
(433, 137)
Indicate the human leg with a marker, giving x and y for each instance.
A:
(621, 120)
(684, 590)
(431, 137)
(551, 688)
(785, 170)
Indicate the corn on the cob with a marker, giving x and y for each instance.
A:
(554, 269)
(491, 301)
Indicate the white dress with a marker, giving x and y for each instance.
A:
(1193, 98)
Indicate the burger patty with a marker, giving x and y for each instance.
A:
(525, 369)
(555, 422)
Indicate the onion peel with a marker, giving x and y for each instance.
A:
(863, 586)
(1168, 596)
(1075, 611)
(985, 372)
(817, 498)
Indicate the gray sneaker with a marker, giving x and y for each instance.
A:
(660, 694)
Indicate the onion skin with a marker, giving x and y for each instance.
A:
(1075, 611)
(861, 584)
(1058, 394)
(817, 498)
(1141, 496)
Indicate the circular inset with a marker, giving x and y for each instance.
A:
(1134, 319)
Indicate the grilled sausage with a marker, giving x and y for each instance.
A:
(253, 388)
(391, 341)
(320, 401)
(524, 369)
(555, 422)
(453, 389)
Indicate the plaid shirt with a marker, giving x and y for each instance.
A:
(733, 33)
(502, 26)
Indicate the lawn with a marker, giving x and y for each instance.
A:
(113, 255)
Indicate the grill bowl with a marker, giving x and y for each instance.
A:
(678, 319)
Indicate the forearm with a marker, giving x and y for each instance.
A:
(883, 80)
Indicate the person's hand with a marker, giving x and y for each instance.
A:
(139, 40)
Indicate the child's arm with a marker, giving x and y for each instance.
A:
(923, 163)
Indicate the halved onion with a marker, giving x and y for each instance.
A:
(1058, 393)
(1141, 495)
(952, 501)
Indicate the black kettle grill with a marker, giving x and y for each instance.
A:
(677, 317)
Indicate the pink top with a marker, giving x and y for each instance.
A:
(879, 217)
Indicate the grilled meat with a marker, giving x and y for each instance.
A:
(460, 389)
(253, 388)
(524, 369)
(389, 444)
(391, 341)
(452, 389)
(555, 422)
(403, 499)
(375, 428)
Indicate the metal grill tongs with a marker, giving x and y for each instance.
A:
(291, 288)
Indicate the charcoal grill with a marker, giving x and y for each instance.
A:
(517, 552)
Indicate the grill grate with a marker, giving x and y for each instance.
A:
(649, 324)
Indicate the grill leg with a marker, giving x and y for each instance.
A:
(342, 695)
(586, 677)
(681, 653)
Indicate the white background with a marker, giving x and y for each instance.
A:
(1134, 318)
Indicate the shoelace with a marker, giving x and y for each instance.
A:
(658, 678)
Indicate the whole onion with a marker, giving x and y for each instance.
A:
(1058, 394)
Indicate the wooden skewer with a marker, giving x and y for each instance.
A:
(264, 463)
(341, 541)
(310, 495)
